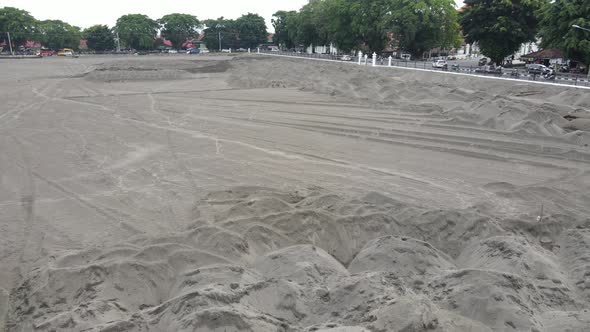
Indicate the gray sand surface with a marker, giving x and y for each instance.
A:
(217, 193)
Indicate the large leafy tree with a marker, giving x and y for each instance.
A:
(421, 25)
(137, 31)
(369, 22)
(558, 32)
(56, 34)
(221, 29)
(177, 28)
(251, 30)
(335, 24)
(19, 23)
(99, 38)
(501, 26)
(279, 22)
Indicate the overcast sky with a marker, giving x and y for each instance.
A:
(84, 13)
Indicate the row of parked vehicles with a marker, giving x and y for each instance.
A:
(62, 52)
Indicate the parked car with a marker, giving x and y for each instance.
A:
(66, 52)
(440, 64)
(482, 62)
(537, 69)
(172, 52)
(406, 57)
(489, 69)
(193, 51)
(451, 57)
(346, 58)
(45, 53)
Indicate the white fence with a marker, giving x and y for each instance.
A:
(519, 75)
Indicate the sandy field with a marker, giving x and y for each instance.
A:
(253, 193)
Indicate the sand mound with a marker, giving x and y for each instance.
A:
(153, 69)
(305, 266)
(405, 257)
(512, 107)
(500, 301)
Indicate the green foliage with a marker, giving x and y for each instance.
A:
(177, 28)
(279, 22)
(56, 34)
(221, 29)
(137, 31)
(18, 22)
(251, 30)
(557, 30)
(99, 38)
(421, 25)
(501, 26)
(418, 25)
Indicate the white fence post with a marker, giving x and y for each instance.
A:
(258, 51)
(390, 58)
(360, 57)
(374, 59)
(248, 50)
(366, 57)
(230, 50)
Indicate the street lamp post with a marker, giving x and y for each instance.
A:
(575, 26)
(218, 27)
(581, 28)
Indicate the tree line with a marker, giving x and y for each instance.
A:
(499, 27)
(136, 31)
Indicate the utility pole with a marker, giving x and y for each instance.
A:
(587, 30)
(10, 43)
(118, 43)
(218, 27)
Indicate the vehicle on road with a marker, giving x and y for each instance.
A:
(66, 52)
(193, 51)
(406, 57)
(549, 74)
(482, 62)
(537, 69)
(440, 64)
(45, 53)
(455, 67)
(346, 58)
(172, 52)
(489, 69)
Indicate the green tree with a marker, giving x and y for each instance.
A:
(19, 23)
(500, 26)
(557, 31)
(251, 30)
(369, 22)
(99, 38)
(421, 25)
(221, 29)
(335, 24)
(177, 28)
(307, 24)
(279, 22)
(137, 31)
(56, 34)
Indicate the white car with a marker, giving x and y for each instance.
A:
(172, 51)
(346, 58)
(440, 64)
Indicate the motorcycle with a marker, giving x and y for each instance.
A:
(549, 75)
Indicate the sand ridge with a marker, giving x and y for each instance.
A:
(263, 194)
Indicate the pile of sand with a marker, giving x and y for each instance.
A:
(513, 107)
(122, 223)
(265, 260)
